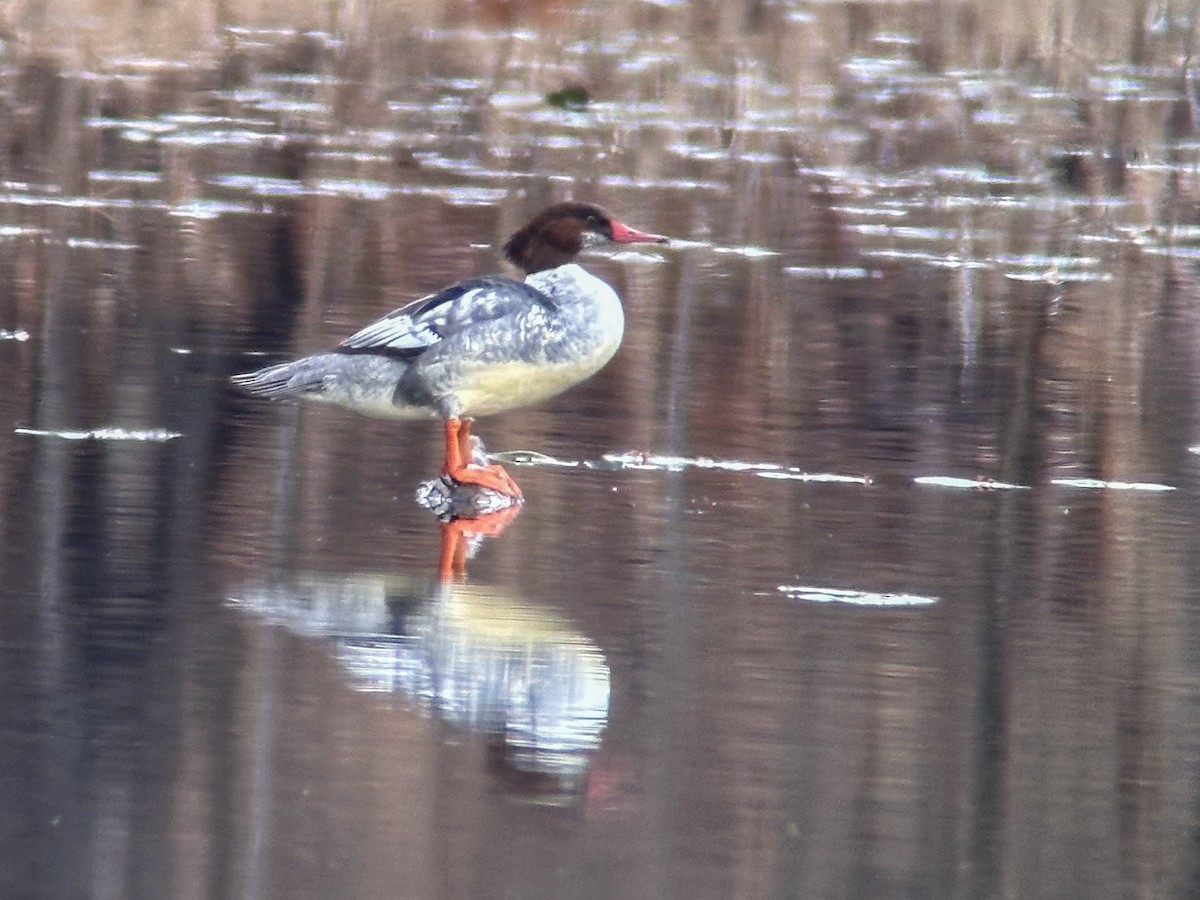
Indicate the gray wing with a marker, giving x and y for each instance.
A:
(414, 328)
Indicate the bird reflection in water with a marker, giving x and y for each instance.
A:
(473, 655)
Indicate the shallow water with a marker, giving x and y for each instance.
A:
(866, 569)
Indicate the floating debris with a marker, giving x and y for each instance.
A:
(573, 98)
(853, 598)
(448, 499)
(17, 334)
(534, 458)
(156, 435)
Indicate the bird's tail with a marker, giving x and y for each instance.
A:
(364, 382)
(285, 380)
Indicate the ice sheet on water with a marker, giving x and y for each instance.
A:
(152, 435)
(1099, 484)
(854, 598)
(950, 481)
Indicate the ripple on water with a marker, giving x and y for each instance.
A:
(260, 185)
(130, 176)
(455, 195)
(200, 120)
(466, 168)
(667, 184)
(749, 252)
(97, 244)
(75, 202)
(17, 231)
(235, 137)
(131, 129)
(832, 273)
(469, 196)
(355, 188)
(299, 79)
(212, 209)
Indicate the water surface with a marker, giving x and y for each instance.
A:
(866, 569)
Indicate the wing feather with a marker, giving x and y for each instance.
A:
(417, 326)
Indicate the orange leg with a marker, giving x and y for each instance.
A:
(456, 538)
(460, 468)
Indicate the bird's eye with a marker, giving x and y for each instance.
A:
(594, 219)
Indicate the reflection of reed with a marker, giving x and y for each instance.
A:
(1063, 36)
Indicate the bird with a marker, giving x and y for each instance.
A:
(481, 346)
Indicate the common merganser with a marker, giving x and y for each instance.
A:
(481, 346)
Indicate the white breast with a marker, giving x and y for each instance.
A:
(580, 337)
(585, 297)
